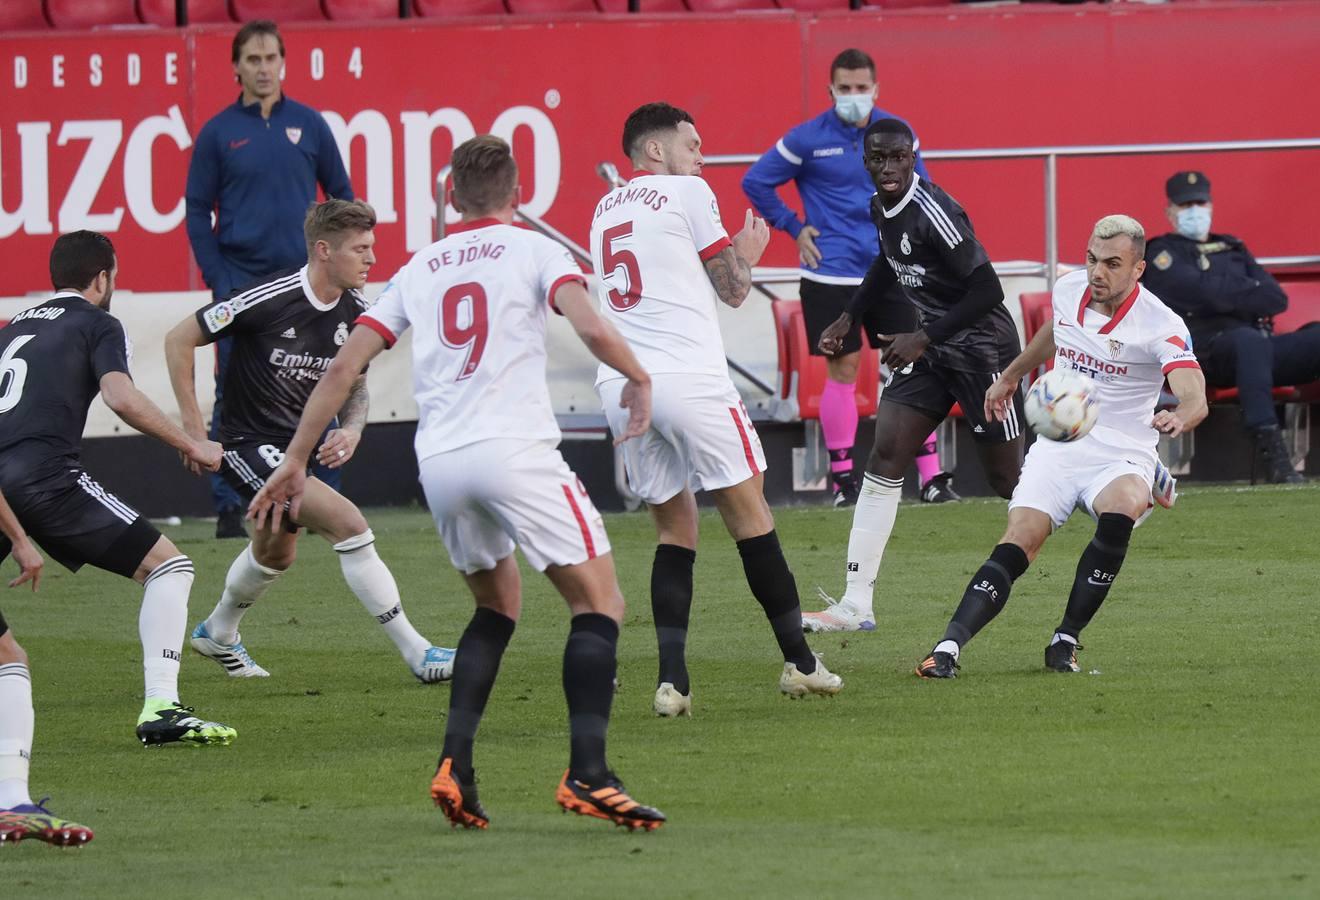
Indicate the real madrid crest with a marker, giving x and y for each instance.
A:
(905, 246)
(1115, 348)
(341, 335)
(294, 134)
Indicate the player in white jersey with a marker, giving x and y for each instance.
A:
(1110, 328)
(487, 447)
(665, 261)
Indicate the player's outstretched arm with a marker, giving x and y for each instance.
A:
(730, 270)
(1040, 350)
(136, 408)
(608, 346)
(180, 358)
(285, 484)
(1188, 385)
(28, 559)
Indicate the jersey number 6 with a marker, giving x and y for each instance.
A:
(13, 374)
(612, 259)
(473, 334)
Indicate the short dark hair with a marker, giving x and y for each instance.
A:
(485, 173)
(896, 127)
(253, 29)
(852, 58)
(332, 220)
(647, 120)
(78, 257)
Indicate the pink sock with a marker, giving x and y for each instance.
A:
(838, 420)
(928, 463)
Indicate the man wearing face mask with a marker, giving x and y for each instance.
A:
(1227, 299)
(836, 245)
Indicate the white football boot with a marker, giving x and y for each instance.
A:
(669, 703)
(821, 681)
(837, 615)
(233, 658)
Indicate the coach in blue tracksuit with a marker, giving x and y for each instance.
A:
(256, 166)
(838, 241)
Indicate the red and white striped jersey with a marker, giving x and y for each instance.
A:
(1127, 356)
(649, 242)
(477, 301)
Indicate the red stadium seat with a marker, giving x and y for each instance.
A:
(91, 13)
(802, 375)
(22, 15)
(200, 12)
(1036, 311)
(448, 9)
(551, 7)
(646, 6)
(278, 10)
(729, 5)
(359, 10)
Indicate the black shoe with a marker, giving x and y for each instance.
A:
(939, 490)
(938, 665)
(458, 801)
(607, 800)
(1061, 656)
(229, 524)
(1273, 454)
(845, 490)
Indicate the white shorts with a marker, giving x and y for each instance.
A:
(1058, 478)
(700, 437)
(488, 496)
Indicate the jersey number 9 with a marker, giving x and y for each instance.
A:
(472, 335)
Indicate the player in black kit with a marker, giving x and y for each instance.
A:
(286, 332)
(951, 337)
(55, 358)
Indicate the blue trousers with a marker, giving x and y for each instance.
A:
(1255, 362)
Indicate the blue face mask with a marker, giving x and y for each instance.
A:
(1194, 222)
(854, 108)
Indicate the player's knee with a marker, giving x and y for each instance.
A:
(278, 556)
(10, 650)
(882, 462)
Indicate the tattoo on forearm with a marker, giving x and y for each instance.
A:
(731, 276)
(353, 414)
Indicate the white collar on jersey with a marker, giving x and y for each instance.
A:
(912, 189)
(311, 295)
(61, 295)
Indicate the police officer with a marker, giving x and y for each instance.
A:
(1227, 300)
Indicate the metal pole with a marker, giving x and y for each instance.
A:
(1051, 219)
(440, 181)
(181, 12)
(404, 9)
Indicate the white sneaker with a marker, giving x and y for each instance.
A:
(837, 616)
(1164, 488)
(436, 666)
(821, 681)
(233, 658)
(670, 703)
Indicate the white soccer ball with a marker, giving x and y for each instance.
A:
(1062, 405)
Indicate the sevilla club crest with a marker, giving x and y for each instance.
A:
(294, 134)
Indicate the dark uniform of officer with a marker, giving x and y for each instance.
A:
(1227, 300)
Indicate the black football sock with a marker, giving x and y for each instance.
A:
(775, 589)
(671, 605)
(1096, 571)
(476, 663)
(589, 667)
(986, 593)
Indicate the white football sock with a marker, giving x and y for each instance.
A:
(873, 520)
(16, 725)
(947, 647)
(162, 624)
(245, 584)
(369, 578)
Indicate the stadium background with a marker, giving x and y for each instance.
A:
(96, 127)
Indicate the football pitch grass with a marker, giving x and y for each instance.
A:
(1182, 761)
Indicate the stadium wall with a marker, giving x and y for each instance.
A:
(96, 127)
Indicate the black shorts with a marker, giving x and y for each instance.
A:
(78, 522)
(823, 303)
(4, 626)
(246, 466)
(933, 389)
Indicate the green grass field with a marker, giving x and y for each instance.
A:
(1183, 762)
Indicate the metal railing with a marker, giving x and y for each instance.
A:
(1050, 156)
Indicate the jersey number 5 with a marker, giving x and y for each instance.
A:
(612, 259)
(13, 374)
(473, 334)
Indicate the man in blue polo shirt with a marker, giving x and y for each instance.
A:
(836, 244)
(256, 166)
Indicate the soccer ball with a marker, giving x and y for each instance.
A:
(1062, 405)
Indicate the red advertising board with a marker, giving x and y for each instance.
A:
(95, 127)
